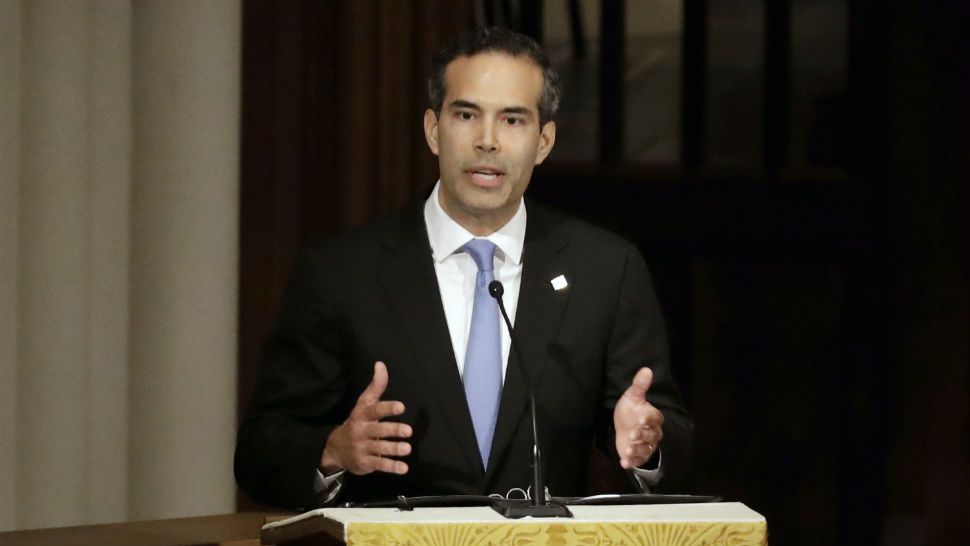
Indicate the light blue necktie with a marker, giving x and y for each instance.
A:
(482, 376)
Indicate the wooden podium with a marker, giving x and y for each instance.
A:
(221, 530)
(728, 523)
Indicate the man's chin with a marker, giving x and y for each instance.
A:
(481, 202)
(484, 200)
(487, 207)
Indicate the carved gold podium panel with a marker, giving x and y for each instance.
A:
(727, 524)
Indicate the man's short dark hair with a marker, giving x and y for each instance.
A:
(496, 40)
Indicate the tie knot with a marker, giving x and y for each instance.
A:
(482, 251)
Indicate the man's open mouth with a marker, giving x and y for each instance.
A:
(485, 175)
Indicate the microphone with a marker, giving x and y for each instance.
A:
(539, 507)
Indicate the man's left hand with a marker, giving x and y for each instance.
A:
(638, 424)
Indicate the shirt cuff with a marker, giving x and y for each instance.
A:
(327, 487)
(648, 478)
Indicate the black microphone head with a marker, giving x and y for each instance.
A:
(495, 289)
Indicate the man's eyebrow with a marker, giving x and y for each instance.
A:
(522, 110)
(459, 103)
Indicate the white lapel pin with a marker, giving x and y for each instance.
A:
(559, 283)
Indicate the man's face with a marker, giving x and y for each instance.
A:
(487, 138)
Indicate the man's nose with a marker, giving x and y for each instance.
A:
(487, 140)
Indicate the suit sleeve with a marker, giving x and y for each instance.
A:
(299, 398)
(639, 338)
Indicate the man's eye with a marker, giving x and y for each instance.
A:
(513, 121)
(465, 116)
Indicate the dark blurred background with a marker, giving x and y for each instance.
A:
(794, 171)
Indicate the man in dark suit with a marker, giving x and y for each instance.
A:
(389, 371)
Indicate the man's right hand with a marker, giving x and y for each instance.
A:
(363, 443)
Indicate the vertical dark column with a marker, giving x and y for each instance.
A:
(507, 16)
(865, 397)
(777, 74)
(693, 101)
(693, 144)
(577, 34)
(612, 61)
(271, 167)
(319, 192)
(530, 19)
(489, 12)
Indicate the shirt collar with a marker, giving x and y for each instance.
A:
(448, 236)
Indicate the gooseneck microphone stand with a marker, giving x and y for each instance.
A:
(540, 507)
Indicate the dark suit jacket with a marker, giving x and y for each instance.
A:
(371, 294)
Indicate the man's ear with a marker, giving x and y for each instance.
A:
(431, 130)
(547, 138)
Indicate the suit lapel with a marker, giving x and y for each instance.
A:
(409, 280)
(539, 314)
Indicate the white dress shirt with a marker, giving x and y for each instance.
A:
(456, 272)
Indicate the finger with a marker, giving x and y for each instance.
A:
(386, 448)
(383, 464)
(387, 430)
(638, 388)
(382, 409)
(635, 446)
(377, 386)
(637, 455)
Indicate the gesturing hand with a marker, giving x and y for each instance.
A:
(361, 443)
(637, 423)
